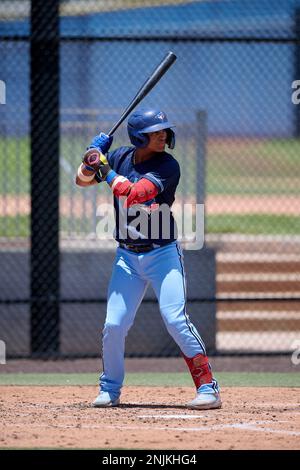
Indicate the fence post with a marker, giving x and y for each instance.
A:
(201, 155)
(205, 313)
(44, 89)
(297, 70)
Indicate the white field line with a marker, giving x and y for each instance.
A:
(286, 406)
(259, 277)
(215, 427)
(171, 416)
(261, 315)
(251, 427)
(158, 416)
(289, 407)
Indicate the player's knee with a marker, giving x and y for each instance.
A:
(176, 321)
(173, 314)
(109, 326)
(115, 329)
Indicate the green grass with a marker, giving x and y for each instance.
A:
(253, 224)
(256, 224)
(14, 166)
(253, 166)
(158, 379)
(18, 226)
(233, 166)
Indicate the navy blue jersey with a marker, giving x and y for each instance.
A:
(151, 221)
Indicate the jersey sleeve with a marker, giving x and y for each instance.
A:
(111, 158)
(166, 175)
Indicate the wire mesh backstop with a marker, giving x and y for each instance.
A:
(67, 73)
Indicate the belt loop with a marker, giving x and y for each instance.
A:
(137, 248)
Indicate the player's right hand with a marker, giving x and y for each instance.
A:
(102, 142)
(91, 159)
(94, 160)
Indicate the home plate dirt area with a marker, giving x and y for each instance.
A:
(148, 418)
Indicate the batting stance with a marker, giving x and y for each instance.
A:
(144, 176)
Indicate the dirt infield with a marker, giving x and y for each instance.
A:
(148, 418)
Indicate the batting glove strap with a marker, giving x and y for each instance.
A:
(90, 168)
(111, 175)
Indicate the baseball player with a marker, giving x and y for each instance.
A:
(145, 176)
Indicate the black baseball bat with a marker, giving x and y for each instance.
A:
(159, 71)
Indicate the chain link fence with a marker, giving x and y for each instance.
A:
(232, 94)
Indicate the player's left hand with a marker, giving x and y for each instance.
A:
(94, 160)
(102, 142)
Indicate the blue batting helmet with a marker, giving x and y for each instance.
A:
(143, 121)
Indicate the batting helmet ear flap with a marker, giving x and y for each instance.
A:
(170, 138)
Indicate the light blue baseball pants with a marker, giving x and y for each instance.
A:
(132, 272)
